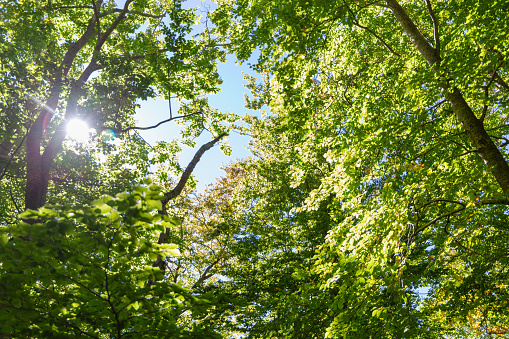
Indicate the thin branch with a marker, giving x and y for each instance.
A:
(446, 215)
(486, 91)
(113, 26)
(469, 250)
(356, 23)
(138, 57)
(66, 7)
(495, 202)
(12, 156)
(437, 104)
(146, 15)
(158, 124)
(494, 128)
(97, 16)
(204, 276)
(462, 154)
(14, 201)
(219, 45)
(501, 82)
(441, 200)
(435, 27)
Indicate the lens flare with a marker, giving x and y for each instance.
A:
(78, 130)
(108, 135)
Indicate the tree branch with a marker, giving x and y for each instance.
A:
(204, 276)
(109, 30)
(501, 82)
(97, 16)
(441, 200)
(55, 143)
(435, 27)
(189, 169)
(486, 91)
(415, 35)
(66, 7)
(146, 15)
(469, 250)
(158, 124)
(219, 45)
(12, 156)
(446, 215)
(472, 126)
(356, 23)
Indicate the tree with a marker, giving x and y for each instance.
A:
(271, 252)
(64, 59)
(407, 105)
(80, 270)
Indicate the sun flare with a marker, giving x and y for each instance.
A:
(78, 130)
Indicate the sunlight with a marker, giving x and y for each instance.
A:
(78, 130)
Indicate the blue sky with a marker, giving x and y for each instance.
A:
(231, 97)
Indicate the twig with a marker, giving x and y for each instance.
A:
(158, 124)
(356, 23)
(446, 215)
(435, 27)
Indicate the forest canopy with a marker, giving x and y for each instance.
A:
(373, 205)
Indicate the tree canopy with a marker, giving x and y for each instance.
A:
(374, 204)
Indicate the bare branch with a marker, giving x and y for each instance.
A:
(146, 15)
(189, 169)
(204, 276)
(158, 124)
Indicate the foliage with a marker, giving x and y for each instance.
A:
(63, 59)
(392, 110)
(87, 271)
(379, 173)
(272, 247)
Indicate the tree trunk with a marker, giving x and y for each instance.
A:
(473, 127)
